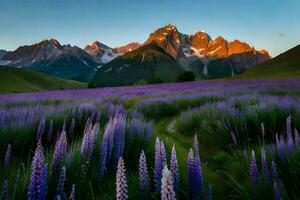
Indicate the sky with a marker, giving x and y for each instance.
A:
(273, 25)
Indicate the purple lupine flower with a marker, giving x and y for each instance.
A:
(4, 194)
(60, 191)
(163, 154)
(143, 173)
(191, 172)
(50, 131)
(119, 137)
(167, 187)
(104, 151)
(277, 195)
(208, 195)
(92, 139)
(280, 144)
(38, 180)
(60, 151)
(7, 156)
(157, 165)
(89, 140)
(73, 193)
(121, 182)
(264, 165)
(174, 169)
(274, 171)
(110, 128)
(198, 177)
(40, 130)
(253, 170)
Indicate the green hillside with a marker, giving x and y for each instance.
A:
(286, 65)
(144, 63)
(13, 80)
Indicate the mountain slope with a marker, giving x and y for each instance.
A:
(207, 57)
(52, 58)
(146, 62)
(14, 80)
(286, 65)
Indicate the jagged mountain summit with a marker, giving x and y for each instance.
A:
(104, 54)
(52, 58)
(206, 57)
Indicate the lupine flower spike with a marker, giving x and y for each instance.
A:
(253, 170)
(121, 189)
(174, 169)
(143, 172)
(60, 151)
(73, 193)
(38, 180)
(167, 187)
(61, 184)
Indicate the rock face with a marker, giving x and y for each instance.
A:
(199, 52)
(127, 48)
(52, 58)
(101, 53)
(169, 39)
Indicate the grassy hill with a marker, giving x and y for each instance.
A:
(144, 63)
(286, 65)
(13, 80)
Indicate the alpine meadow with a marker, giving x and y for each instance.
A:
(154, 107)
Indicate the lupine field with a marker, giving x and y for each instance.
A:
(195, 140)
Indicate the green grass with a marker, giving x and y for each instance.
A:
(14, 80)
(286, 65)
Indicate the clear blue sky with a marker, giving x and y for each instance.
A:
(267, 24)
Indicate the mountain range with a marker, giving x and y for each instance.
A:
(165, 54)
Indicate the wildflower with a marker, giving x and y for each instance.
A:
(61, 184)
(40, 130)
(174, 169)
(253, 170)
(60, 151)
(167, 187)
(38, 180)
(143, 172)
(121, 190)
(72, 194)
(159, 160)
